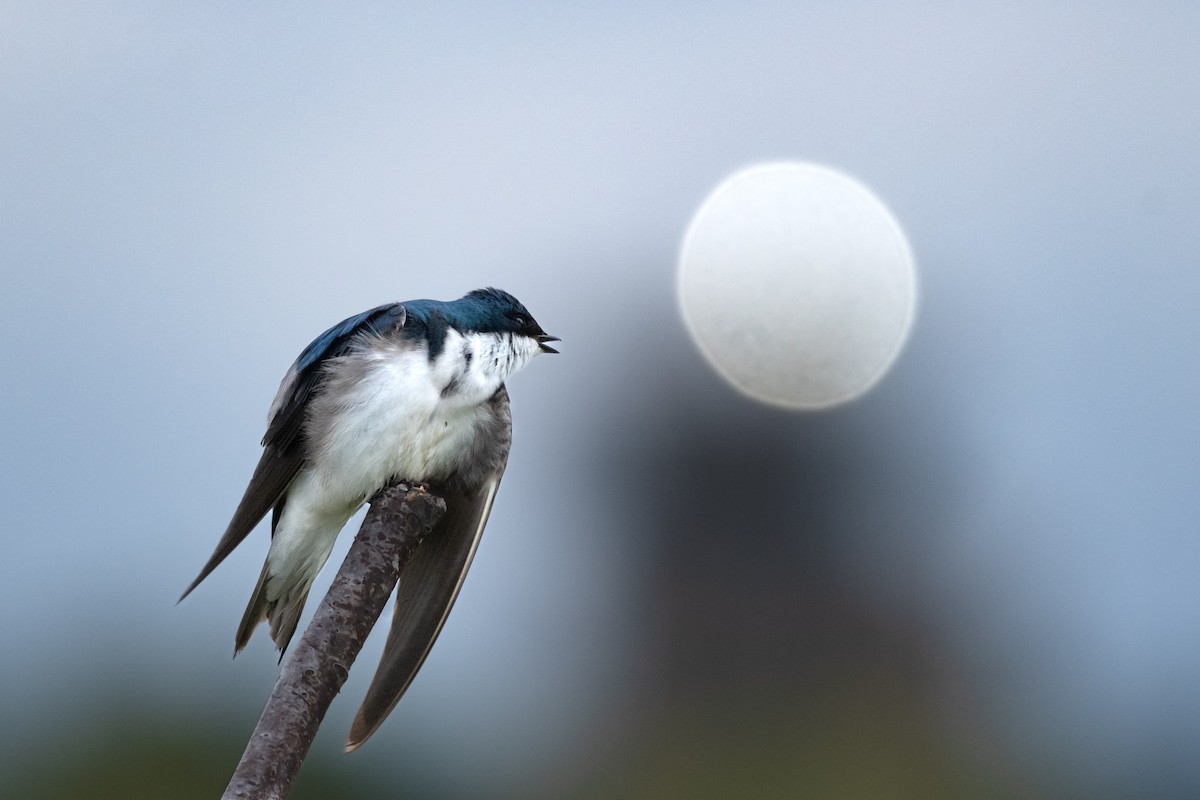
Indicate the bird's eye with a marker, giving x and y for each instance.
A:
(520, 320)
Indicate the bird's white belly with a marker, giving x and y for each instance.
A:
(397, 422)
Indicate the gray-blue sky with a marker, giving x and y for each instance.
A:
(189, 195)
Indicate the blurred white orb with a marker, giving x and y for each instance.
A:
(797, 284)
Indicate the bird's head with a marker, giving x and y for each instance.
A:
(496, 311)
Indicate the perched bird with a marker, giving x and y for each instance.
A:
(409, 390)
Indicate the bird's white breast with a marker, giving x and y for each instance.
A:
(388, 410)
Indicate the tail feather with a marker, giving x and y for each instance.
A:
(282, 613)
(303, 529)
(256, 612)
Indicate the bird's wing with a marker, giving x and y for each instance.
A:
(283, 449)
(307, 373)
(274, 472)
(427, 590)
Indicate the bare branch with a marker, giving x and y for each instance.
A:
(399, 518)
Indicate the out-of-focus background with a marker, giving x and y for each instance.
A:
(979, 581)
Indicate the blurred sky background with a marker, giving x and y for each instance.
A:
(977, 581)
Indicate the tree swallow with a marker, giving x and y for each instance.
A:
(412, 391)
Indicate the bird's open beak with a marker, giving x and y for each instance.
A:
(545, 337)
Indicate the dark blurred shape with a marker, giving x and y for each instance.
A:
(765, 673)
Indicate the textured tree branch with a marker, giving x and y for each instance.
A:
(399, 518)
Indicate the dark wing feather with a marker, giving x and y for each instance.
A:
(274, 472)
(428, 587)
(283, 447)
